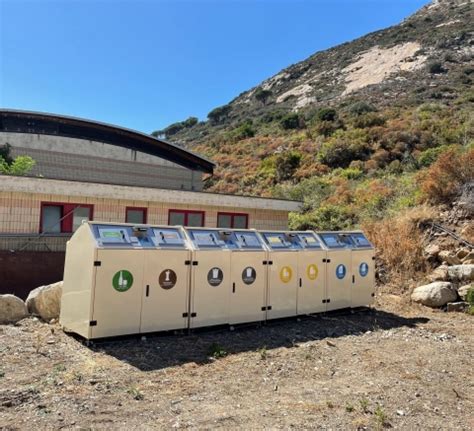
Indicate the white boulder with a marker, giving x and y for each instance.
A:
(12, 309)
(461, 272)
(434, 294)
(45, 301)
(439, 274)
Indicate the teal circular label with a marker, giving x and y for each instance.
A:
(363, 269)
(340, 271)
(122, 280)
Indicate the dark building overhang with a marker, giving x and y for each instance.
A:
(59, 125)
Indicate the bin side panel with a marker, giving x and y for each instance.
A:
(339, 279)
(363, 269)
(76, 299)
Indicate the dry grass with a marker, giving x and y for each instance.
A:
(399, 242)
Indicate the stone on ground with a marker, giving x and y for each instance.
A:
(12, 309)
(462, 291)
(461, 272)
(45, 301)
(456, 306)
(449, 258)
(434, 294)
(439, 274)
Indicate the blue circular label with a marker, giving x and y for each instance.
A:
(363, 269)
(340, 271)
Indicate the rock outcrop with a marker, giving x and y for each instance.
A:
(461, 273)
(12, 309)
(45, 301)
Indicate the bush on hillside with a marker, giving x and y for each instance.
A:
(340, 150)
(262, 95)
(291, 121)
(443, 180)
(286, 164)
(243, 131)
(435, 67)
(359, 108)
(326, 217)
(219, 114)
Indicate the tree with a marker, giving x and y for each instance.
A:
(290, 121)
(219, 114)
(286, 164)
(20, 165)
(262, 95)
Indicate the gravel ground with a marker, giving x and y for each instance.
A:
(394, 366)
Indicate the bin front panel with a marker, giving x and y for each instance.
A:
(166, 290)
(117, 293)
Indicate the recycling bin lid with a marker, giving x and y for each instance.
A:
(168, 237)
(282, 240)
(360, 240)
(248, 240)
(207, 238)
(120, 236)
(336, 240)
(309, 240)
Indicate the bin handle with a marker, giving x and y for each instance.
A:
(147, 290)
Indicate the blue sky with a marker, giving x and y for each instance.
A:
(144, 64)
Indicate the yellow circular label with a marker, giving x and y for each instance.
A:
(312, 271)
(285, 274)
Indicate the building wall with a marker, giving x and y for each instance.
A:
(85, 160)
(20, 212)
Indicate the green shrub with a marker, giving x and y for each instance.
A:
(435, 67)
(359, 108)
(21, 165)
(341, 149)
(326, 217)
(291, 121)
(285, 164)
(429, 156)
(326, 114)
(243, 131)
(262, 95)
(350, 173)
(370, 119)
(219, 114)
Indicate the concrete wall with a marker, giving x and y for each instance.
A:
(83, 160)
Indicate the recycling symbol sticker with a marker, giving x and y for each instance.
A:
(312, 271)
(167, 279)
(215, 276)
(249, 275)
(285, 274)
(340, 271)
(122, 280)
(363, 269)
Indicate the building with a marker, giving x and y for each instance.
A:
(91, 170)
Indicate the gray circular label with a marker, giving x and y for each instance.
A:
(215, 276)
(249, 275)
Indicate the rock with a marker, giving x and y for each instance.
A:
(468, 262)
(12, 309)
(462, 291)
(462, 253)
(447, 256)
(461, 272)
(432, 250)
(434, 294)
(456, 306)
(469, 256)
(45, 301)
(439, 274)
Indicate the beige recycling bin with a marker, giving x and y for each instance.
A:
(282, 273)
(363, 270)
(311, 292)
(210, 278)
(120, 279)
(166, 278)
(338, 269)
(248, 277)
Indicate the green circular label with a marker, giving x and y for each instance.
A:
(122, 280)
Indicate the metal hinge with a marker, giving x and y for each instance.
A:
(195, 263)
(193, 314)
(93, 323)
(97, 263)
(267, 308)
(268, 262)
(187, 262)
(353, 279)
(185, 314)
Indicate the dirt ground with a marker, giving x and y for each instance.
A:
(392, 367)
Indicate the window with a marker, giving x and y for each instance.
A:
(233, 220)
(186, 218)
(63, 218)
(135, 215)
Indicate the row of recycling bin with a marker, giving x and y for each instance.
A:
(124, 279)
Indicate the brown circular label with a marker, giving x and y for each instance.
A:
(167, 279)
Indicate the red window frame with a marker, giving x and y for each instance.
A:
(186, 214)
(66, 208)
(142, 209)
(232, 215)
